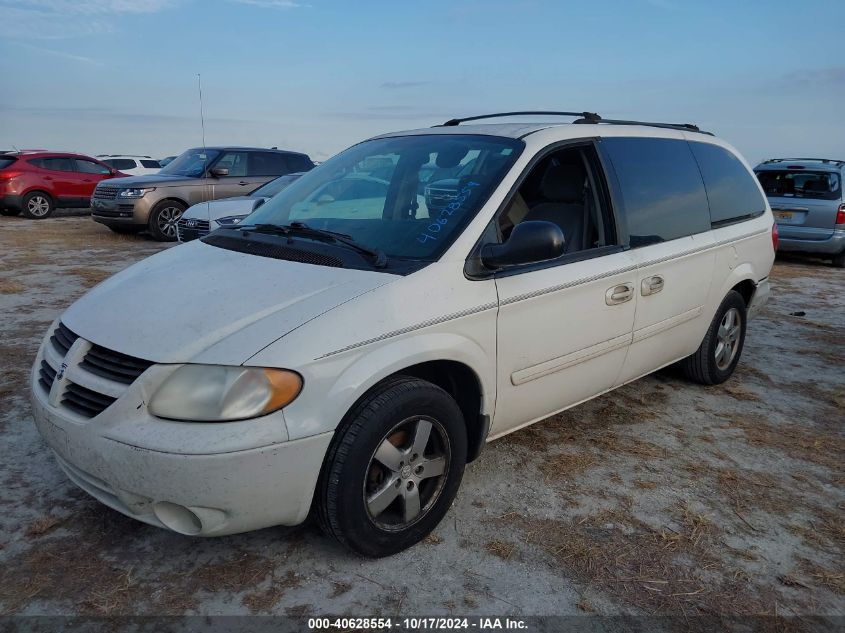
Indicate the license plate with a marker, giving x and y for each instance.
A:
(783, 215)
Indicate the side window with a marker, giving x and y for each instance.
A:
(150, 164)
(661, 186)
(57, 164)
(731, 189)
(268, 164)
(90, 167)
(120, 163)
(567, 189)
(235, 162)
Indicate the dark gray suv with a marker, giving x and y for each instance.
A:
(156, 202)
(807, 201)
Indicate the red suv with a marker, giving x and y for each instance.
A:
(35, 183)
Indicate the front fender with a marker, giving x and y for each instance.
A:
(334, 384)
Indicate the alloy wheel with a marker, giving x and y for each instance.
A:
(167, 219)
(727, 339)
(406, 473)
(38, 206)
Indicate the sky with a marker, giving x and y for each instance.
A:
(120, 76)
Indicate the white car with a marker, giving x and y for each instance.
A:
(204, 217)
(355, 362)
(134, 165)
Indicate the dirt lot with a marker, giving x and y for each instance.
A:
(662, 497)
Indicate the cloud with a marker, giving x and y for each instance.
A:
(61, 54)
(831, 77)
(273, 4)
(61, 19)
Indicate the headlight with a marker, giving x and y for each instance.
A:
(230, 220)
(134, 193)
(216, 393)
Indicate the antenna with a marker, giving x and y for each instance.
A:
(202, 124)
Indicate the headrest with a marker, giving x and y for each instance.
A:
(563, 183)
(451, 155)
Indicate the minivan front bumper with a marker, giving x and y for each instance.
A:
(197, 479)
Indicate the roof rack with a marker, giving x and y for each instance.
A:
(583, 118)
(815, 160)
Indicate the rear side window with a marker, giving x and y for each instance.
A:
(298, 162)
(90, 167)
(152, 164)
(121, 163)
(782, 183)
(662, 190)
(268, 164)
(5, 162)
(731, 190)
(54, 164)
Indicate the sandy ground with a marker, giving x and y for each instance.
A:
(662, 497)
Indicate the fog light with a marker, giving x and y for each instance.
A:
(178, 518)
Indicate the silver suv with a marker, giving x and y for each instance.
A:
(807, 201)
(156, 202)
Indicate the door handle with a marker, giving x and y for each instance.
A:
(651, 285)
(243, 183)
(619, 294)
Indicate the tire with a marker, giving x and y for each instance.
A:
(162, 222)
(838, 261)
(369, 506)
(10, 212)
(37, 205)
(719, 352)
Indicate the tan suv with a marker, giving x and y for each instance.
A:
(156, 202)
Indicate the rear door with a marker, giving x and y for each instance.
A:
(804, 201)
(60, 179)
(668, 222)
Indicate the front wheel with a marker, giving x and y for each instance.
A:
(163, 219)
(719, 352)
(393, 469)
(37, 205)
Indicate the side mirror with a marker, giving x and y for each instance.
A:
(529, 242)
(325, 199)
(219, 172)
(258, 203)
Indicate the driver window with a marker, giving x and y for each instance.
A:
(235, 162)
(563, 188)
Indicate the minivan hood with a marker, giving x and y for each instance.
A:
(201, 303)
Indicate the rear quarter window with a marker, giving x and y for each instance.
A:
(731, 191)
(5, 162)
(662, 192)
(151, 164)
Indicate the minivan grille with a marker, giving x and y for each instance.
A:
(114, 365)
(276, 251)
(63, 338)
(84, 401)
(105, 192)
(105, 363)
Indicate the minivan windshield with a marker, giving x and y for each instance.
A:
(191, 163)
(782, 183)
(408, 196)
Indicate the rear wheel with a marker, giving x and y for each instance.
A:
(719, 352)
(393, 469)
(37, 205)
(839, 260)
(163, 219)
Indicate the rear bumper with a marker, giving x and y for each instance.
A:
(833, 245)
(11, 202)
(760, 298)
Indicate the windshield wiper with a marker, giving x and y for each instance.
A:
(303, 230)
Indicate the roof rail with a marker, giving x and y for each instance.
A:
(583, 118)
(815, 160)
(584, 115)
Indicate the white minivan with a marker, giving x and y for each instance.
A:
(351, 354)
